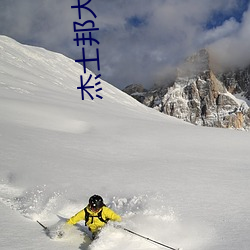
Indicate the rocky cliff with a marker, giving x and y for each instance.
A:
(200, 96)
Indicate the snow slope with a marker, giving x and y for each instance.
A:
(176, 183)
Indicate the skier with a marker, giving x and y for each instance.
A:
(95, 214)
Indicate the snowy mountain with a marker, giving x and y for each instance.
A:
(201, 96)
(182, 185)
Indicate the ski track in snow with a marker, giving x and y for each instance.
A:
(43, 116)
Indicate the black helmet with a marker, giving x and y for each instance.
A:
(96, 202)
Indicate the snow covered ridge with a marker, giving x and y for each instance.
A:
(35, 73)
(201, 97)
(29, 70)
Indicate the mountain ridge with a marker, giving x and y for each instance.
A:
(200, 95)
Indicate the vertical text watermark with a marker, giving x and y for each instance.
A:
(83, 35)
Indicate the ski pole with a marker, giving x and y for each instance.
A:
(45, 228)
(146, 238)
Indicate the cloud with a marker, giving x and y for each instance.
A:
(233, 49)
(228, 28)
(140, 41)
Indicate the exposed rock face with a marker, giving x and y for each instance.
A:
(137, 91)
(199, 97)
(237, 81)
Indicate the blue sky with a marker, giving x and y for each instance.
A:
(141, 41)
(218, 17)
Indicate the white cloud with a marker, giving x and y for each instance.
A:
(171, 31)
(233, 50)
(228, 28)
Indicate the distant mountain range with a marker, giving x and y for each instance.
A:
(201, 94)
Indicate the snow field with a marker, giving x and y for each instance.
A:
(181, 185)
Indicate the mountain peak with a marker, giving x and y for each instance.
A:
(197, 64)
(200, 96)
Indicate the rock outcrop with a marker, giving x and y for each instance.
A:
(199, 96)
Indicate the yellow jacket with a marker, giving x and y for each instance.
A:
(94, 223)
